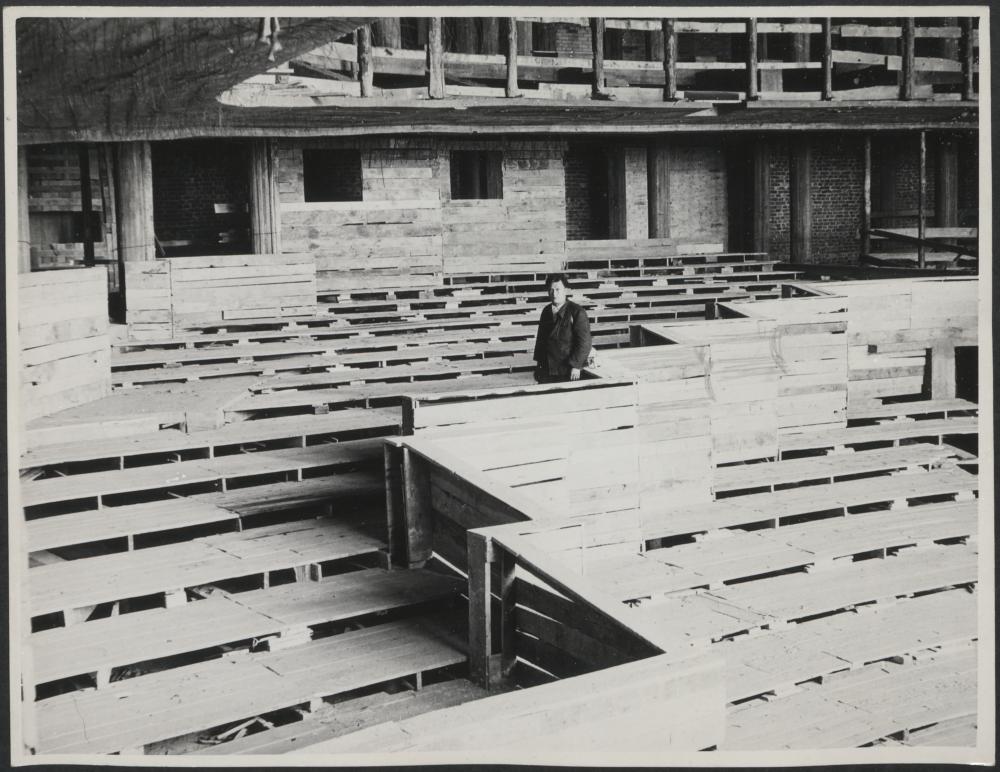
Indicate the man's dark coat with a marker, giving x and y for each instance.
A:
(563, 342)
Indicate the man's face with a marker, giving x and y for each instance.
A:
(557, 293)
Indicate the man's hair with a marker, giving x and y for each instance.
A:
(552, 278)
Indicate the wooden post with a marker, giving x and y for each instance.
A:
(943, 371)
(136, 240)
(417, 510)
(946, 196)
(435, 59)
(366, 60)
(490, 40)
(799, 185)
(669, 60)
(751, 44)
(968, 61)
(265, 219)
(508, 618)
(908, 73)
(617, 210)
(761, 194)
(511, 52)
(827, 58)
(480, 551)
(597, 46)
(23, 216)
(921, 200)
(658, 189)
(388, 33)
(866, 214)
(86, 205)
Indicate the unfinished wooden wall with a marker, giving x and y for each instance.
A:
(65, 351)
(168, 296)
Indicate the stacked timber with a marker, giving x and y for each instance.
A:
(65, 348)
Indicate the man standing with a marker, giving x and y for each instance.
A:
(563, 342)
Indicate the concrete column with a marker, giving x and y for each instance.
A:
(136, 238)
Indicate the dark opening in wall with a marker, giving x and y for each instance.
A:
(967, 373)
(476, 174)
(201, 197)
(331, 175)
(587, 186)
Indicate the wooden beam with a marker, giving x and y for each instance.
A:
(761, 194)
(480, 549)
(669, 60)
(658, 189)
(921, 201)
(946, 195)
(752, 89)
(799, 200)
(417, 509)
(907, 83)
(866, 212)
(366, 60)
(827, 58)
(86, 205)
(968, 61)
(136, 240)
(508, 617)
(597, 46)
(23, 216)
(511, 54)
(265, 216)
(435, 59)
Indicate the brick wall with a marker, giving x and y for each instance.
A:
(837, 179)
(189, 179)
(583, 199)
(778, 212)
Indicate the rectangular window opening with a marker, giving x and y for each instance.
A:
(331, 175)
(476, 174)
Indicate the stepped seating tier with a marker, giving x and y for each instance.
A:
(170, 569)
(175, 702)
(283, 612)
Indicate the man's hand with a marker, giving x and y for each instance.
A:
(574, 374)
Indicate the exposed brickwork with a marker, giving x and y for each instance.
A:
(836, 193)
(698, 207)
(189, 179)
(778, 212)
(582, 198)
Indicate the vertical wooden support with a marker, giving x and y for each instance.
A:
(597, 46)
(753, 92)
(968, 61)
(511, 52)
(136, 240)
(907, 83)
(23, 217)
(866, 214)
(417, 510)
(943, 371)
(388, 33)
(760, 192)
(827, 58)
(946, 195)
(617, 210)
(366, 60)
(480, 551)
(669, 60)
(658, 189)
(265, 219)
(395, 510)
(799, 188)
(801, 48)
(490, 40)
(508, 617)
(922, 200)
(86, 204)
(435, 59)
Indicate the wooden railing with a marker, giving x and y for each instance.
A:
(652, 59)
